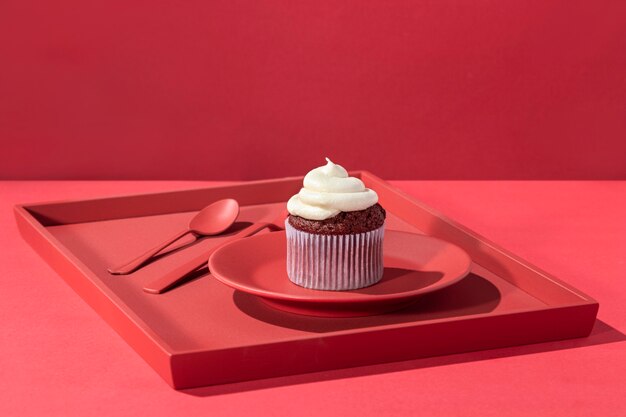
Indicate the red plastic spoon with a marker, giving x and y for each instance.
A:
(174, 277)
(211, 220)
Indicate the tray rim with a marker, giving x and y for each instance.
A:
(93, 278)
(495, 246)
(23, 211)
(35, 232)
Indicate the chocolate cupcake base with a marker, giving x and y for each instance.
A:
(344, 223)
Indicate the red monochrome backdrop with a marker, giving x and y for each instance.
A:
(247, 89)
(242, 89)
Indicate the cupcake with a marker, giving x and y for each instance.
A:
(335, 232)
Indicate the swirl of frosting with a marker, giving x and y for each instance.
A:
(328, 190)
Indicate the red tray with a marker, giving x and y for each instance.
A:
(205, 333)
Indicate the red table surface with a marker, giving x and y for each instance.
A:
(59, 358)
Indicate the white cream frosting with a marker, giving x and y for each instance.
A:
(329, 190)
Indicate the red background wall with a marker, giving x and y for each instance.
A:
(253, 89)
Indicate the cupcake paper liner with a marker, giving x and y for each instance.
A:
(334, 262)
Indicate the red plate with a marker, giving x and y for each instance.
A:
(414, 265)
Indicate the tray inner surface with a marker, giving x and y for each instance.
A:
(205, 314)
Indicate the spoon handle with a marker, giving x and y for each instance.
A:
(170, 279)
(133, 265)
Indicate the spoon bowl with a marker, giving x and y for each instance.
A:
(215, 218)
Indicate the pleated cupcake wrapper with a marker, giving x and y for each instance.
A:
(334, 262)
